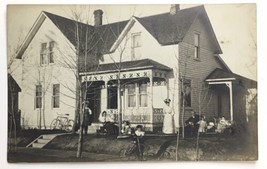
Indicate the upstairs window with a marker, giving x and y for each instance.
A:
(196, 46)
(136, 46)
(55, 97)
(43, 59)
(51, 52)
(47, 53)
(38, 96)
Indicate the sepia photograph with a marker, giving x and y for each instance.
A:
(132, 83)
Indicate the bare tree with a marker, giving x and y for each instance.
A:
(12, 66)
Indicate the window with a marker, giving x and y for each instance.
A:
(43, 54)
(47, 53)
(131, 95)
(55, 97)
(136, 46)
(187, 90)
(38, 96)
(196, 46)
(51, 52)
(112, 97)
(143, 95)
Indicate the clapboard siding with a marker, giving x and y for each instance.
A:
(198, 70)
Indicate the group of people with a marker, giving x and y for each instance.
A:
(195, 124)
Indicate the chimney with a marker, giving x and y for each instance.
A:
(98, 17)
(174, 9)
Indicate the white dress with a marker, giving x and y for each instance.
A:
(168, 120)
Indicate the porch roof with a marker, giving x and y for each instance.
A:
(128, 65)
(222, 75)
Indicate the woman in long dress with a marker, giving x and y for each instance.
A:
(168, 118)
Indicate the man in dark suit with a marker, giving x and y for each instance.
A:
(191, 123)
(87, 117)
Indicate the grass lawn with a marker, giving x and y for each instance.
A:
(211, 148)
(237, 147)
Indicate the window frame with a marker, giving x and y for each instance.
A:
(50, 52)
(55, 96)
(46, 51)
(38, 96)
(135, 47)
(197, 46)
(43, 54)
(142, 93)
(134, 95)
(187, 81)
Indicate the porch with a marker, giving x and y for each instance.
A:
(134, 90)
(232, 93)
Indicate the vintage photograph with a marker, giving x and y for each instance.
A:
(143, 83)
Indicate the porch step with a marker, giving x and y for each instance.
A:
(94, 127)
(42, 140)
(38, 145)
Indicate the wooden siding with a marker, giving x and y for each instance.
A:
(198, 69)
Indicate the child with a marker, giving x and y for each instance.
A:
(126, 129)
(202, 126)
(137, 144)
(139, 131)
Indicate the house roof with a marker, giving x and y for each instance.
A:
(170, 29)
(68, 27)
(102, 37)
(223, 74)
(165, 28)
(128, 65)
(12, 84)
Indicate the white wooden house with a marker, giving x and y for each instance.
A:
(151, 56)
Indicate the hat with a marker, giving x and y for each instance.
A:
(167, 100)
(139, 126)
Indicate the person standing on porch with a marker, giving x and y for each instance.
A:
(168, 118)
(87, 117)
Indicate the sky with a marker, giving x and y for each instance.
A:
(234, 26)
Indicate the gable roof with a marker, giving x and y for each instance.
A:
(100, 37)
(68, 27)
(170, 29)
(167, 29)
(128, 65)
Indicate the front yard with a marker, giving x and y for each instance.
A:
(236, 147)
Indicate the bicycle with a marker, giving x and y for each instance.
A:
(134, 151)
(62, 122)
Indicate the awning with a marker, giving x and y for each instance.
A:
(224, 75)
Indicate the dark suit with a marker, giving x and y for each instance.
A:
(87, 119)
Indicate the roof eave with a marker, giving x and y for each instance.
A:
(34, 29)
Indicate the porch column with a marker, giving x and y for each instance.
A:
(104, 97)
(230, 86)
(151, 99)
